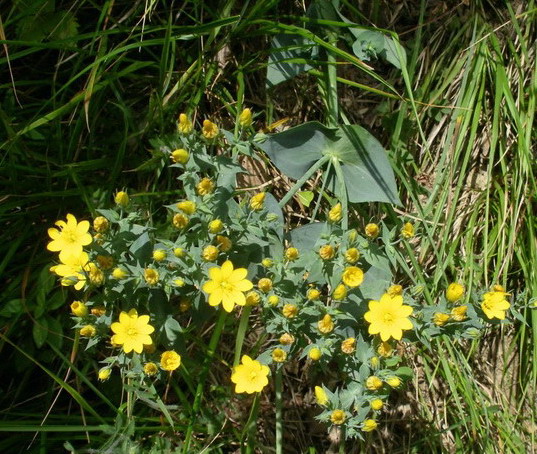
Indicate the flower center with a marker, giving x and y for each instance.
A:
(132, 332)
(253, 375)
(226, 286)
(387, 317)
(70, 235)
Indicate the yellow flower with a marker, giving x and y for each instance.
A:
(170, 360)
(315, 354)
(96, 276)
(394, 382)
(159, 255)
(279, 355)
(179, 252)
(407, 231)
(100, 224)
(252, 298)
(150, 369)
(374, 361)
(389, 317)
(395, 290)
(187, 206)
(287, 339)
(264, 284)
(224, 243)
(352, 255)
(440, 319)
(119, 273)
(79, 309)
(494, 304)
(122, 199)
(459, 313)
(376, 404)
(104, 373)
(373, 383)
(384, 349)
(180, 156)
(69, 238)
(257, 201)
(498, 288)
(151, 276)
(291, 254)
(352, 276)
(267, 263)
(88, 331)
(250, 376)
(132, 331)
(327, 252)
(210, 253)
(72, 269)
(372, 230)
(245, 118)
(290, 311)
(209, 129)
(338, 417)
(180, 221)
(454, 292)
(348, 346)
(184, 125)
(313, 294)
(339, 293)
(320, 396)
(216, 226)
(98, 311)
(369, 425)
(334, 215)
(227, 286)
(205, 186)
(326, 325)
(273, 300)
(179, 282)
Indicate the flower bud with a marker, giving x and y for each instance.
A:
(79, 309)
(245, 118)
(122, 199)
(100, 224)
(180, 156)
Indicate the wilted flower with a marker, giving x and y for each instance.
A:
(407, 231)
(258, 201)
(264, 284)
(210, 253)
(287, 339)
(440, 319)
(348, 346)
(335, 215)
(326, 325)
(339, 293)
(459, 313)
(151, 276)
(209, 129)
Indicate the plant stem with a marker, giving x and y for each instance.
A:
(241, 333)
(250, 426)
(331, 84)
(279, 421)
(342, 195)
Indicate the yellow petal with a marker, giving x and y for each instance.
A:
(238, 275)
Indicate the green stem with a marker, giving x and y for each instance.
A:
(279, 421)
(241, 334)
(342, 195)
(331, 84)
(302, 180)
(321, 192)
(250, 427)
(199, 390)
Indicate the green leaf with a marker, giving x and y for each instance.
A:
(305, 237)
(376, 282)
(142, 248)
(172, 328)
(305, 197)
(40, 331)
(11, 308)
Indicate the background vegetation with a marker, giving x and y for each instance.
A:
(85, 85)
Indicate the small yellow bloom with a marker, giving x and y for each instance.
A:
(352, 276)
(315, 354)
(79, 309)
(369, 425)
(273, 300)
(290, 311)
(459, 313)
(320, 396)
(348, 346)
(252, 298)
(69, 238)
(105, 261)
(209, 129)
(376, 404)
(104, 373)
(224, 243)
(151, 276)
(98, 311)
(250, 376)
(88, 331)
(96, 276)
(150, 369)
(291, 253)
(335, 215)
(267, 263)
(339, 293)
(210, 253)
(170, 360)
(216, 226)
(372, 230)
(326, 325)
(279, 355)
(100, 224)
(454, 292)
(338, 417)
(179, 282)
(495, 305)
(287, 339)
(373, 383)
(257, 202)
(313, 294)
(264, 284)
(440, 319)
(394, 382)
(205, 186)
(384, 349)
(122, 199)
(180, 221)
(187, 206)
(119, 273)
(180, 156)
(327, 252)
(374, 361)
(245, 118)
(407, 231)
(184, 125)
(388, 317)
(227, 286)
(159, 255)
(184, 305)
(395, 290)
(352, 255)
(179, 252)
(132, 331)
